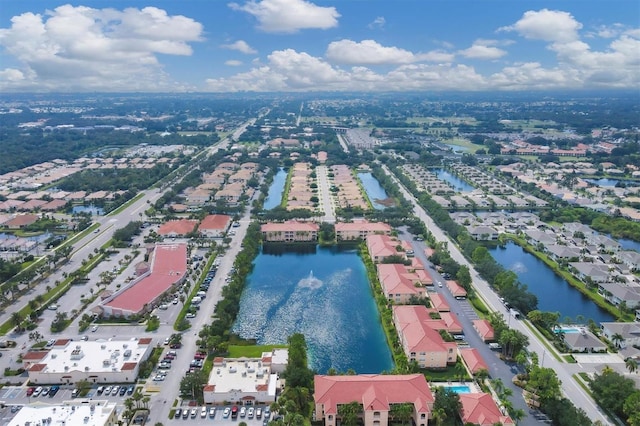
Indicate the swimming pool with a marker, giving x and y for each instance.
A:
(568, 329)
(458, 388)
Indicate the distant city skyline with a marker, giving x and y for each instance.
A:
(315, 45)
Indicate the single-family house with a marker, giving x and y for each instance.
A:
(621, 334)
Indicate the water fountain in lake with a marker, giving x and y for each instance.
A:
(310, 282)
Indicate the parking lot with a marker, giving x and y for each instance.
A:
(219, 417)
(19, 395)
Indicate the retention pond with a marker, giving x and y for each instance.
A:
(323, 293)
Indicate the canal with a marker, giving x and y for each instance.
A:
(374, 190)
(457, 183)
(553, 292)
(323, 293)
(274, 196)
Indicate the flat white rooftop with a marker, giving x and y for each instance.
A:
(239, 375)
(96, 413)
(94, 356)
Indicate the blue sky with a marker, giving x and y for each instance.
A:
(317, 45)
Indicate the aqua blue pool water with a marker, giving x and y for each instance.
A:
(459, 388)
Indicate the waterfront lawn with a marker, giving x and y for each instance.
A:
(251, 351)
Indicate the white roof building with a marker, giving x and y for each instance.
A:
(98, 361)
(76, 412)
(245, 381)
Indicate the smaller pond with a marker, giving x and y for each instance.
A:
(603, 182)
(453, 180)
(98, 211)
(627, 244)
(274, 196)
(458, 148)
(38, 238)
(553, 292)
(375, 191)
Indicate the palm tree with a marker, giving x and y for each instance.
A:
(616, 339)
(498, 386)
(16, 319)
(439, 416)
(632, 365)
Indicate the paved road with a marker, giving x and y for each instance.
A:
(324, 195)
(569, 386)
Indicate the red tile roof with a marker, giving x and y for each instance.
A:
(129, 366)
(374, 391)
(438, 302)
(34, 355)
(37, 367)
(414, 323)
(484, 329)
(169, 267)
(144, 340)
(215, 221)
(456, 289)
(398, 279)
(21, 220)
(481, 409)
(473, 360)
(177, 227)
(362, 225)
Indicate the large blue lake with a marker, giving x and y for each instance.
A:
(457, 183)
(554, 293)
(274, 196)
(322, 293)
(375, 191)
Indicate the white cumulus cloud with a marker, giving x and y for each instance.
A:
(241, 46)
(367, 52)
(482, 49)
(548, 25)
(289, 16)
(82, 48)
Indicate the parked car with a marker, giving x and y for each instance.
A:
(115, 390)
(258, 413)
(100, 390)
(203, 412)
(30, 390)
(226, 412)
(53, 391)
(123, 390)
(243, 411)
(250, 413)
(130, 390)
(37, 392)
(75, 393)
(212, 412)
(194, 413)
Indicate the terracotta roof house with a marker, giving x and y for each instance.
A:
(420, 341)
(360, 229)
(376, 393)
(382, 246)
(480, 409)
(214, 225)
(176, 228)
(400, 283)
(290, 231)
(473, 360)
(20, 221)
(484, 329)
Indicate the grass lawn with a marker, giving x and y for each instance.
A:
(463, 143)
(251, 351)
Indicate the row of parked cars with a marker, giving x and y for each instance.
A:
(233, 412)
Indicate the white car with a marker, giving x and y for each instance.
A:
(94, 328)
(115, 390)
(226, 412)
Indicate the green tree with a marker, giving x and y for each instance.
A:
(610, 390)
(191, 385)
(402, 412)
(631, 364)
(545, 383)
(448, 401)
(631, 408)
(350, 413)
